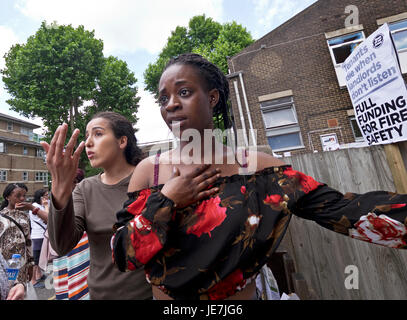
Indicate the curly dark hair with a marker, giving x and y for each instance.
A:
(38, 194)
(121, 126)
(213, 77)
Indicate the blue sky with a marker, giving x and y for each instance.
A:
(135, 31)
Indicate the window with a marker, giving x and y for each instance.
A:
(399, 32)
(9, 126)
(2, 147)
(25, 150)
(42, 176)
(340, 48)
(280, 119)
(25, 176)
(355, 128)
(24, 130)
(28, 132)
(40, 153)
(3, 175)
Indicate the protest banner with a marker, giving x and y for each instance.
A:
(379, 97)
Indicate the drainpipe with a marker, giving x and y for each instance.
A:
(239, 106)
(247, 110)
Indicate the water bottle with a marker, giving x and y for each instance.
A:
(14, 265)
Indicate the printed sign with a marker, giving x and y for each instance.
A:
(329, 142)
(377, 89)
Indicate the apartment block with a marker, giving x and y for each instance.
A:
(22, 159)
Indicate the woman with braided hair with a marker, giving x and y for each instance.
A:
(205, 231)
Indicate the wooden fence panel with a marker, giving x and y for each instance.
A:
(322, 255)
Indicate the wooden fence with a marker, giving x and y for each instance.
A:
(322, 255)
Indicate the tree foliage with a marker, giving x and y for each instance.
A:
(61, 75)
(209, 38)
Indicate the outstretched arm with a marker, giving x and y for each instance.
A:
(378, 217)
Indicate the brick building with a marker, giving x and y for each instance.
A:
(288, 84)
(21, 155)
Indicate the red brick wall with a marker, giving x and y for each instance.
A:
(297, 58)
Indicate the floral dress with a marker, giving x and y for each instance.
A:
(12, 240)
(214, 248)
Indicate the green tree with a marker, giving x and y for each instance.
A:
(53, 73)
(204, 36)
(61, 75)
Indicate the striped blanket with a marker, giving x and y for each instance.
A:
(71, 272)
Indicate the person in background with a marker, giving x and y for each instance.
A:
(110, 144)
(15, 234)
(4, 283)
(38, 227)
(71, 271)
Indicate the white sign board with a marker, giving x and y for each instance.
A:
(377, 89)
(329, 142)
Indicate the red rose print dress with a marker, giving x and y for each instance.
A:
(214, 248)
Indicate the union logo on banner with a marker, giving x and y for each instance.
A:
(377, 89)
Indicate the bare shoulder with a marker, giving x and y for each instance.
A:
(140, 178)
(264, 160)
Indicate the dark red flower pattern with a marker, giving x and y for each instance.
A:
(307, 183)
(282, 190)
(210, 215)
(228, 286)
(139, 204)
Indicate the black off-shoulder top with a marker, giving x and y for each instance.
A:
(214, 248)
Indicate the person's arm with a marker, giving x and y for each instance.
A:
(43, 214)
(66, 225)
(143, 222)
(378, 217)
(62, 162)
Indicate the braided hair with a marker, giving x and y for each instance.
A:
(214, 79)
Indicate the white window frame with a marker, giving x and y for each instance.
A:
(3, 149)
(25, 176)
(24, 131)
(41, 176)
(40, 153)
(342, 44)
(269, 106)
(10, 126)
(25, 151)
(3, 175)
(402, 52)
(338, 66)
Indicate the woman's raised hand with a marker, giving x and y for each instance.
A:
(62, 162)
(191, 187)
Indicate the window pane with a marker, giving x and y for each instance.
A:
(279, 117)
(342, 52)
(400, 39)
(356, 130)
(285, 141)
(2, 147)
(398, 25)
(346, 38)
